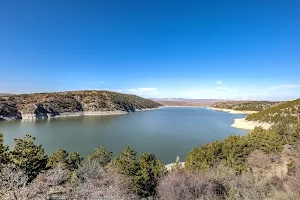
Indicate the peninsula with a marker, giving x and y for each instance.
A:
(71, 103)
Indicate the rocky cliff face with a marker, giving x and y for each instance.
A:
(49, 105)
(9, 111)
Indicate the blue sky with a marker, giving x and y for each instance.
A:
(192, 49)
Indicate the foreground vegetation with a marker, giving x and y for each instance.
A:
(264, 164)
(234, 150)
(246, 105)
(27, 173)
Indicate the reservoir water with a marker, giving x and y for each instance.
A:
(166, 132)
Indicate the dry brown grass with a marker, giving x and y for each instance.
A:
(180, 185)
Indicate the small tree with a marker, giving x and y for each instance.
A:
(28, 157)
(75, 160)
(127, 164)
(151, 169)
(59, 157)
(101, 155)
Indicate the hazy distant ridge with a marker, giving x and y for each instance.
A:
(6, 94)
(185, 102)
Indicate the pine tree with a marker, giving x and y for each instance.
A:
(59, 157)
(74, 160)
(28, 156)
(101, 155)
(151, 169)
(128, 165)
(128, 162)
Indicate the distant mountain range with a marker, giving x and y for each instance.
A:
(186, 102)
(6, 94)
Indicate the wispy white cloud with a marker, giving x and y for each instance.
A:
(101, 82)
(219, 82)
(277, 88)
(286, 86)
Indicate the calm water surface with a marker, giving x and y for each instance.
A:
(166, 132)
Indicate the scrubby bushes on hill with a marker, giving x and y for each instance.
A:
(246, 105)
(288, 113)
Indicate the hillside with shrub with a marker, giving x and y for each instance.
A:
(234, 150)
(246, 105)
(264, 164)
(44, 105)
(288, 112)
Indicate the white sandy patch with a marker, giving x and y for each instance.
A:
(169, 166)
(232, 111)
(250, 125)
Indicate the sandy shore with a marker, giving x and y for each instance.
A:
(232, 111)
(242, 123)
(250, 125)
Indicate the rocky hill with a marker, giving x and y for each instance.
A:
(246, 105)
(288, 113)
(48, 105)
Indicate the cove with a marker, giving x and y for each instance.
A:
(166, 132)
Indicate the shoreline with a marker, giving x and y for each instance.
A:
(246, 112)
(242, 123)
(138, 110)
(33, 117)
